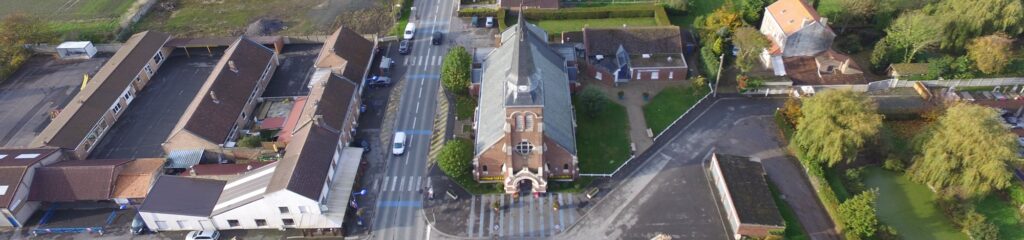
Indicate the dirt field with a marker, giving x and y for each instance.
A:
(286, 17)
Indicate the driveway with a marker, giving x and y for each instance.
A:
(757, 137)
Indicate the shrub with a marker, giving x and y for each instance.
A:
(859, 214)
(661, 17)
(978, 228)
(791, 111)
(709, 62)
(455, 159)
(893, 163)
(592, 101)
(849, 43)
(480, 12)
(699, 82)
(249, 141)
(455, 71)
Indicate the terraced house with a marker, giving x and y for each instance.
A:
(525, 125)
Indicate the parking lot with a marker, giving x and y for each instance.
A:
(41, 85)
(152, 115)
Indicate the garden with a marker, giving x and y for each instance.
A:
(602, 132)
(662, 110)
(892, 165)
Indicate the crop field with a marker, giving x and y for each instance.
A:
(200, 18)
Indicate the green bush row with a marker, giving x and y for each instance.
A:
(709, 62)
(661, 17)
(12, 59)
(636, 11)
(498, 14)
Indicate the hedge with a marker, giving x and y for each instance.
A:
(709, 63)
(636, 11)
(498, 14)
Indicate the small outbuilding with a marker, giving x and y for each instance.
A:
(76, 50)
(743, 190)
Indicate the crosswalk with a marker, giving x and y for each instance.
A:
(423, 61)
(526, 216)
(402, 183)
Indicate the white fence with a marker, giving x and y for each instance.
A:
(43, 48)
(887, 84)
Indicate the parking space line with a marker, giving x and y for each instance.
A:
(469, 220)
(501, 218)
(483, 212)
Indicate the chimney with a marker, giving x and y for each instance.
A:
(231, 65)
(824, 21)
(669, 58)
(213, 95)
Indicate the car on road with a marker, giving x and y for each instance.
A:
(398, 148)
(410, 30)
(138, 226)
(437, 38)
(203, 235)
(490, 22)
(404, 47)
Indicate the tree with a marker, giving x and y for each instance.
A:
(965, 20)
(991, 53)
(753, 10)
(455, 158)
(835, 125)
(967, 152)
(751, 43)
(19, 28)
(911, 33)
(678, 5)
(722, 19)
(791, 111)
(979, 228)
(455, 70)
(858, 214)
(592, 101)
(855, 12)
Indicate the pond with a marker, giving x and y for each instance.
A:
(909, 207)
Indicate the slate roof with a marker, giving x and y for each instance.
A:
(790, 14)
(167, 196)
(314, 140)
(636, 40)
(13, 169)
(211, 117)
(76, 180)
(749, 190)
(525, 71)
(349, 50)
(82, 113)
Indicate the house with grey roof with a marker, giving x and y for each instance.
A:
(801, 47)
(85, 120)
(219, 112)
(743, 192)
(525, 127)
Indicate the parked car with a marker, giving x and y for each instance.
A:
(379, 82)
(139, 226)
(404, 47)
(398, 148)
(474, 21)
(410, 30)
(490, 22)
(203, 235)
(437, 38)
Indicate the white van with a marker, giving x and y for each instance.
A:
(410, 30)
(398, 148)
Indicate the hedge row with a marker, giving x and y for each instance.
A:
(637, 11)
(498, 14)
(709, 63)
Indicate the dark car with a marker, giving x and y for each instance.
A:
(379, 82)
(475, 21)
(437, 38)
(404, 47)
(138, 226)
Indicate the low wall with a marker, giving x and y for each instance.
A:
(43, 48)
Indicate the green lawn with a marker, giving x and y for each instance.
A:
(666, 106)
(697, 8)
(1004, 215)
(794, 230)
(909, 207)
(556, 27)
(603, 140)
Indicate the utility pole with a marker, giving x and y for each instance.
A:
(718, 78)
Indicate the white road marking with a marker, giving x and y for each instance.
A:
(401, 184)
(469, 220)
(406, 62)
(418, 181)
(393, 183)
(417, 107)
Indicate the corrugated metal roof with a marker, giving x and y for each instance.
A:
(184, 158)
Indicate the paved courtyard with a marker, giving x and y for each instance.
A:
(41, 85)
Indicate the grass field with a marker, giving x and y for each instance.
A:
(555, 27)
(909, 207)
(231, 17)
(697, 8)
(94, 20)
(603, 140)
(666, 106)
(1004, 215)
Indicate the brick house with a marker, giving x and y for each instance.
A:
(619, 55)
(741, 186)
(801, 46)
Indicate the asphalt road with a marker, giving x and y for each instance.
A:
(398, 212)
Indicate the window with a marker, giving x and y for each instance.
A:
(138, 78)
(233, 223)
(288, 221)
(283, 209)
(128, 96)
(670, 75)
(302, 209)
(524, 147)
(116, 108)
(149, 70)
(519, 123)
(261, 222)
(565, 166)
(159, 57)
(654, 75)
(529, 122)
(484, 168)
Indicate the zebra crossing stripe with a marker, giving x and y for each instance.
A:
(469, 220)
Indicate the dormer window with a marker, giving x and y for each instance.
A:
(524, 147)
